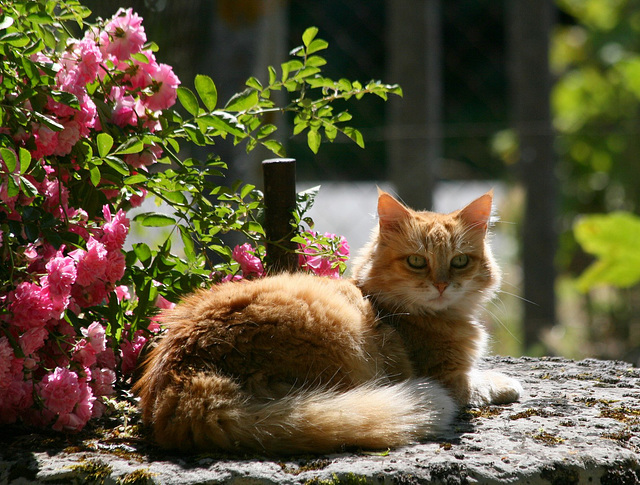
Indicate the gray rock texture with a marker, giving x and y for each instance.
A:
(577, 422)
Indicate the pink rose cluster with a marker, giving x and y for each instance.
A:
(56, 364)
(50, 372)
(319, 258)
(324, 258)
(136, 88)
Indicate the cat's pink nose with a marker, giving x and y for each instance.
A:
(441, 286)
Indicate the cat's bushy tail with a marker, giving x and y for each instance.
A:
(370, 416)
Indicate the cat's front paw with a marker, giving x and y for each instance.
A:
(490, 387)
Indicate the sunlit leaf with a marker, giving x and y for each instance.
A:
(613, 239)
(313, 140)
(9, 158)
(25, 159)
(317, 45)
(154, 219)
(188, 100)
(207, 91)
(243, 101)
(309, 34)
(104, 142)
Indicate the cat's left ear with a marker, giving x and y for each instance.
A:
(476, 215)
(391, 213)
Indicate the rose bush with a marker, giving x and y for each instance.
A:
(83, 121)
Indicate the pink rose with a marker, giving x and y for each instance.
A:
(103, 380)
(141, 74)
(163, 303)
(84, 353)
(95, 335)
(81, 65)
(91, 263)
(115, 266)
(123, 35)
(46, 141)
(130, 351)
(33, 340)
(146, 157)
(56, 196)
(115, 230)
(60, 390)
(67, 138)
(61, 274)
(165, 89)
(106, 359)
(250, 264)
(76, 419)
(122, 293)
(124, 108)
(30, 305)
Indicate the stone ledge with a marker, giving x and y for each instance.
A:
(578, 422)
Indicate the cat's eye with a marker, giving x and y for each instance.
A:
(416, 261)
(459, 261)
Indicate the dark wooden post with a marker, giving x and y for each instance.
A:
(530, 27)
(280, 201)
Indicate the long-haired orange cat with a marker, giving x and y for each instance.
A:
(300, 363)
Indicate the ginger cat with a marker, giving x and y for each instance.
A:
(299, 363)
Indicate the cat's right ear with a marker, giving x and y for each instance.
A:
(391, 213)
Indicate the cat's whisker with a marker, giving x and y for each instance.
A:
(518, 297)
(503, 325)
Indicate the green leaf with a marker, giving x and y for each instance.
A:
(13, 188)
(275, 146)
(118, 165)
(316, 61)
(309, 35)
(252, 226)
(613, 239)
(313, 140)
(6, 22)
(15, 39)
(265, 131)
(252, 82)
(140, 57)
(317, 45)
(9, 158)
(207, 91)
(355, 135)
(272, 75)
(135, 179)
(187, 240)
(142, 252)
(48, 122)
(243, 101)
(154, 219)
(132, 145)
(330, 131)
(188, 100)
(223, 121)
(287, 67)
(105, 142)
(25, 160)
(246, 190)
(95, 176)
(28, 188)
